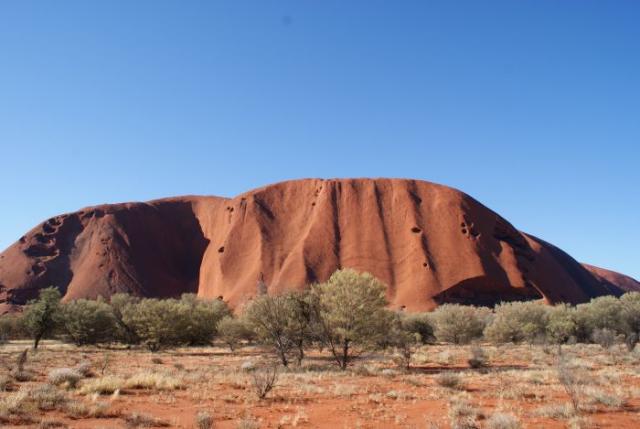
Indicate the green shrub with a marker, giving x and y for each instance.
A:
(562, 325)
(87, 321)
(352, 313)
(516, 322)
(458, 324)
(170, 322)
(630, 316)
(420, 324)
(604, 312)
(233, 330)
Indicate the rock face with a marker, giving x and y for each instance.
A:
(429, 243)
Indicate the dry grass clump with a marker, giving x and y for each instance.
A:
(248, 423)
(47, 423)
(204, 420)
(65, 377)
(96, 410)
(47, 397)
(502, 421)
(450, 380)
(5, 383)
(555, 411)
(22, 405)
(600, 397)
(103, 385)
(462, 414)
(138, 420)
(153, 381)
(84, 368)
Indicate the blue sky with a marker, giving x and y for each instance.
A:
(532, 107)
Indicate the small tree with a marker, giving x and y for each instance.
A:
(269, 317)
(403, 339)
(561, 324)
(352, 314)
(88, 321)
(518, 321)
(119, 304)
(41, 316)
(233, 330)
(458, 324)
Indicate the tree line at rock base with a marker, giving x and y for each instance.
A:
(346, 315)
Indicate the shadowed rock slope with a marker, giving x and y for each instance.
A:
(429, 243)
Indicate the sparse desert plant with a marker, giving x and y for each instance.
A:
(450, 380)
(352, 314)
(502, 421)
(204, 420)
(42, 316)
(478, 357)
(457, 324)
(66, 377)
(264, 379)
(570, 382)
(104, 364)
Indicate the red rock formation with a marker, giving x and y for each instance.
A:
(625, 283)
(429, 243)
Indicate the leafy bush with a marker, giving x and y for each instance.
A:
(233, 330)
(458, 324)
(630, 316)
(604, 312)
(420, 324)
(87, 321)
(518, 321)
(352, 314)
(170, 322)
(562, 325)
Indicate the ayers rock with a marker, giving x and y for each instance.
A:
(429, 243)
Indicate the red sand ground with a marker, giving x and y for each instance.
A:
(429, 243)
(519, 380)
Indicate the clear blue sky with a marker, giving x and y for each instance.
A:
(532, 107)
